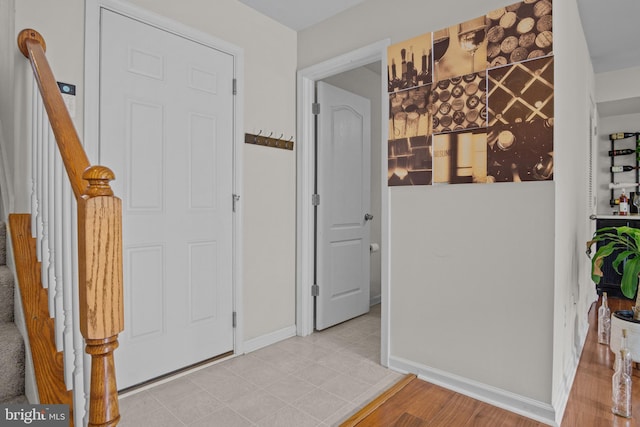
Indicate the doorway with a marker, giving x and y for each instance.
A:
(373, 59)
(343, 206)
(168, 124)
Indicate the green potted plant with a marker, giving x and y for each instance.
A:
(623, 243)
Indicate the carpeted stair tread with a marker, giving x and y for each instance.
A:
(16, 400)
(3, 243)
(6, 294)
(12, 352)
(12, 362)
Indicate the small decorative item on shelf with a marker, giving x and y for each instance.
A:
(622, 168)
(604, 321)
(623, 207)
(617, 185)
(624, 152)
(621, 135)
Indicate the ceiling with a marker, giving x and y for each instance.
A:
(611, 27)
(612, 33)
(300, 14)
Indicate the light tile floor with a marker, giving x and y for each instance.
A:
(319, 380)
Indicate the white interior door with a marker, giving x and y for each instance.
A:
(343, 183)
(166, 117)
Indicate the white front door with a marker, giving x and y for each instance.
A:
(166, 129)
(343, 184)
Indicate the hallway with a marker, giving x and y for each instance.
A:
(319, 380)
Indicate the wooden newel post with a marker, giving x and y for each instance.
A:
(103, 398)
(101, 299)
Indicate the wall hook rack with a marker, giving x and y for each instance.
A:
(269, 141)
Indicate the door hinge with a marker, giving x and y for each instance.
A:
(235, 87)
(234, 319)
(236, 199)
(315, 290)
(315, 200)
(315, 108)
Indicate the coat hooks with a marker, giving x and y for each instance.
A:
(269, 140)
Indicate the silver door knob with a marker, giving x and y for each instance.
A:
(368, 217)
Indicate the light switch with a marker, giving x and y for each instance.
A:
(69, 97)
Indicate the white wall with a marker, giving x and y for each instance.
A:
(616, 85)
(61, 24)
(472, 283)
(574, 291)
(366, 83)
(7, 47)
(474, 288)
(268, 195)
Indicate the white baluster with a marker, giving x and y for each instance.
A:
(44, 202)
(34, 154)
(81, 370)
(47, 201)
(87, 385)
(39, 153)
(56, 255)
(66, 255)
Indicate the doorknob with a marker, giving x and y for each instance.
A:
(368, 217)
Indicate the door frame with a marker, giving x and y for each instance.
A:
(306, 80)
(91, 115)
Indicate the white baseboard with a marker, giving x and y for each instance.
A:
(375, 300)
(268, 339)
(521, 405)
(561, 397)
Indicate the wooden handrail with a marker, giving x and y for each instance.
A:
(32, 46)
(99, 241)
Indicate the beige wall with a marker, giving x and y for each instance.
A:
(7, 47)
(482, 277)
(65, 52)
(374, 20)
(268, 195)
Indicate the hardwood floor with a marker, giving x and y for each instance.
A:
(590, 399)
(416, 403)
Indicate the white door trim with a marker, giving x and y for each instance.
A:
(307, 78)
(92, 101)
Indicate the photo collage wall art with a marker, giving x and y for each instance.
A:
(473, 103)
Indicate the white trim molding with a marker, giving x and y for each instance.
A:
(521, 405)
(305, 183)
(269, 339)
(374, 300)
(561, 394)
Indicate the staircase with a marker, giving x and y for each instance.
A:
(12, 355)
